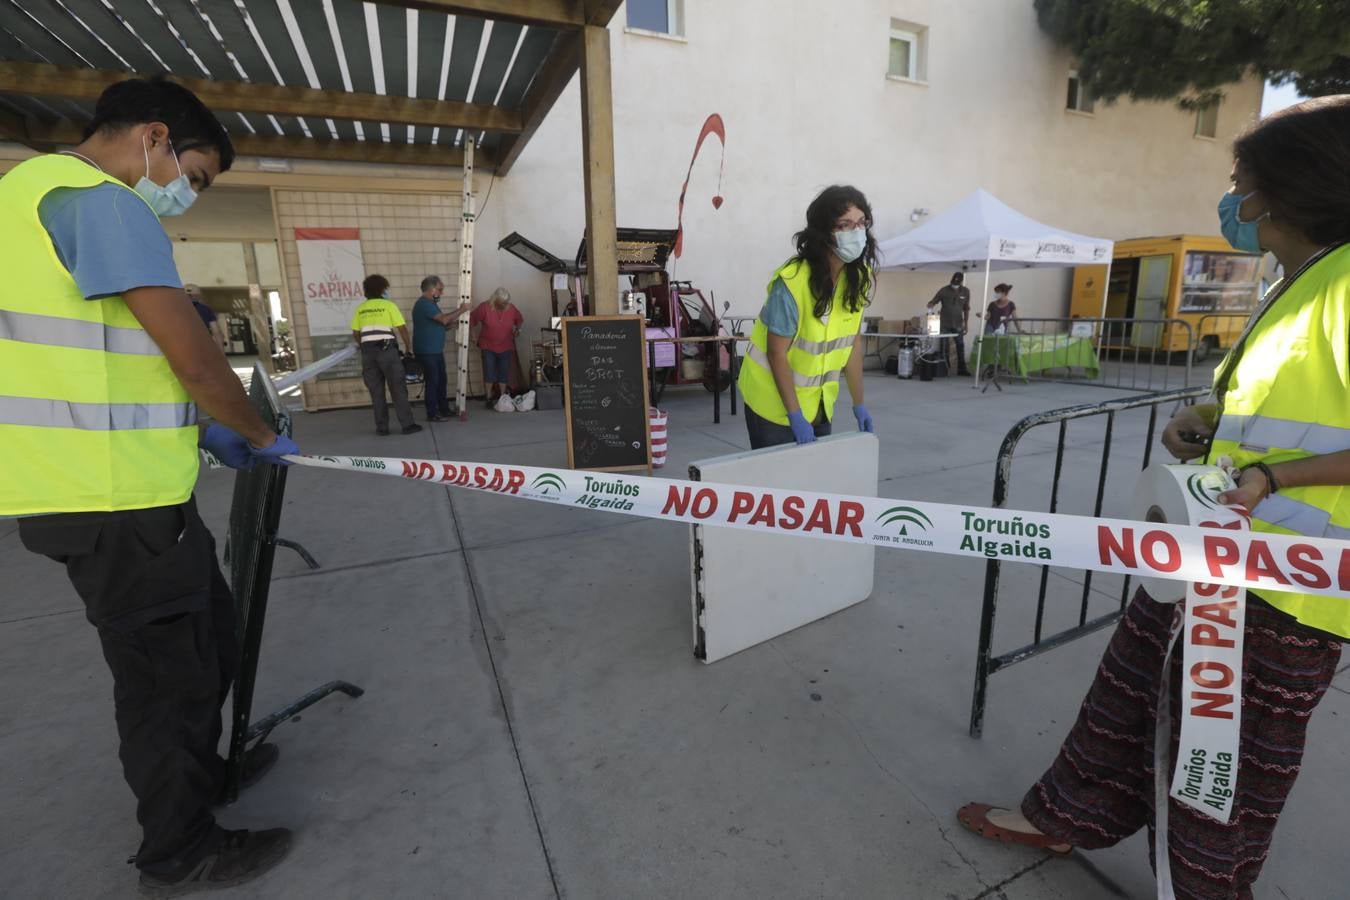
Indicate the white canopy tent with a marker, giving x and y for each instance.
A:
(982, 231)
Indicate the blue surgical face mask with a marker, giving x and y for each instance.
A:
(172, 199)
(385, 295)
(1242, 235)
(849, 245)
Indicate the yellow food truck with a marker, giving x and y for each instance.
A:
(1199, 279)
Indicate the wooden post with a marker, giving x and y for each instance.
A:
(465, 284)
(597, 141)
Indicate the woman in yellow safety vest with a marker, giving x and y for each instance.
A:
(810, 328)
(1281, 413)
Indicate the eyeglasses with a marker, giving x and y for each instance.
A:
(846, 225)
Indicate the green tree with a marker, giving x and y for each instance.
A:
(1190, 49)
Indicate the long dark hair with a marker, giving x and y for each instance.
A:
(1299, 159)
(815, 244)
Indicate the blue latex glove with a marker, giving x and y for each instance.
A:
(801, 429)
(227, 446)
(864, 418)
(282, 446)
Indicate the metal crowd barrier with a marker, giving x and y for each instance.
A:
(255, 513)
(1216, 332)
(986, 663)
(1131, 354)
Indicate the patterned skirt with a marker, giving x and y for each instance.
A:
(1100, 787)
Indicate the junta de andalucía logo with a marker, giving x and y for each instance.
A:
(548, 484)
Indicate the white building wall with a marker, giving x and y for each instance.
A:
(802, 87)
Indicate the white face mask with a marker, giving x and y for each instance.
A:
(172, 199)
(849, 245)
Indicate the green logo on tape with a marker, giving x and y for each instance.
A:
(906, 516)
(1205, 487)
(548, 482)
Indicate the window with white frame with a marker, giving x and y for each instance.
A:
(657, 16)
(1080, 98)
(908, 51)
(1207, 120)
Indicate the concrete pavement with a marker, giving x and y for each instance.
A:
(535, 725)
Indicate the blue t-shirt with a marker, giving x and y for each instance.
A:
(428, 334)
(780, 311)
(108, 239)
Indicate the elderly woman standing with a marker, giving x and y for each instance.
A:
(498, 322)
(810, 328)
(1282, 414)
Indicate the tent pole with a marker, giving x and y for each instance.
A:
(979, 344)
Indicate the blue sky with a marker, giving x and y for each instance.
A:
(1277, 98)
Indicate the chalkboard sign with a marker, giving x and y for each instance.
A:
(605, 373)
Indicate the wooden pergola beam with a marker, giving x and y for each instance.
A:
(47, 136)
(549, 13)
(354, 151)
(46, 80)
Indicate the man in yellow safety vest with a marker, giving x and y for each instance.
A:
(103, 366)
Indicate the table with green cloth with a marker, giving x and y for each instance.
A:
(1023, 354)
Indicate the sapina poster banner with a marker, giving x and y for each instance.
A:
(331, 271)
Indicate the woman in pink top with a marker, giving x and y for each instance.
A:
(498, 323)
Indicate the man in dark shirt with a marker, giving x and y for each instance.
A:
(208, 316)
(954, 300)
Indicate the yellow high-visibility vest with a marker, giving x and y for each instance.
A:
(376, 319)
(817, 355)
(91, 416)
(1287, 398)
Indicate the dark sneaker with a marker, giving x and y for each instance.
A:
(258, 761)
(240, 856)
(412, 429)
(382, 432)
(438, 418)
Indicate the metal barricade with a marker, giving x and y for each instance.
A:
(255, 514)
(1126, 353)
(986, 664)
(1215, 333)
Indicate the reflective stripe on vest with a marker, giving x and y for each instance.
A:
(822, 347)
(799, 380)
(95, 416)
(1269, 432)
(1299, 517)
(81, 335)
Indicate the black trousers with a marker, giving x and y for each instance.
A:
(165, 617)
(381, 365)
(960, 341)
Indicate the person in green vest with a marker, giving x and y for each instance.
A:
(810, 329)
(1281, 415)
(374, 324)
(104, 365)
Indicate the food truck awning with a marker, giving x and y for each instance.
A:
(390, 81)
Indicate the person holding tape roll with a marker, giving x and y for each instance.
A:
(810, 330)
(103, 366)
(1282, 417)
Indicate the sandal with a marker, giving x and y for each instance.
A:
(975, 817)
